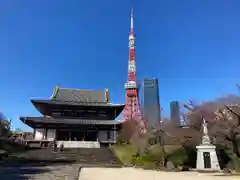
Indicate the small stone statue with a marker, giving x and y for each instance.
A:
(205, 130)
(205, 137)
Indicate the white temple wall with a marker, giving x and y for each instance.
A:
(102, 136)
(113, 136)
(51, 134)
(39, 134)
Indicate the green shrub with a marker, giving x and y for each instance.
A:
(143, 162)
(120, 141)
(178, 157)
(137, 161)
(192, 156)
(234, 162)
(234, 165)
(184, 156)
(223, 156)
(153, 155)
(124, 152)
(151, 158)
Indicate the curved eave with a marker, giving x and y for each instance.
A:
(34, 121)
(118, 111)
(44, 105)
(40, 106)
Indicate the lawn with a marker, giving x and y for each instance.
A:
(126, 152)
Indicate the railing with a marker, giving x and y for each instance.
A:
(79, 144)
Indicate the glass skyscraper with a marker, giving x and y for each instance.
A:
(150, 102)
(175, 113)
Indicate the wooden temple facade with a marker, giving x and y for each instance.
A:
(76, 115)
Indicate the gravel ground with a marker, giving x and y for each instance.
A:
(139, 174)
(36, 172)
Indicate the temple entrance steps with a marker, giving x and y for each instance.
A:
(79, 144)
(96, 157)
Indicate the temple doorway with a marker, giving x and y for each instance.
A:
(62, 135)
(77, 136)
(91, 136)
(84, 136)
(207, 160)
(88, 135)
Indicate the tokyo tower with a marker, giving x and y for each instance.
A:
(132, 106)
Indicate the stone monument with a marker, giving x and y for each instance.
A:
(207, 159)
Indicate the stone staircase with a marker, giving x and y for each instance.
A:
(83, 156)
(46, 164)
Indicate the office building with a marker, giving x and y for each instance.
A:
(175, 113)
(151, 104)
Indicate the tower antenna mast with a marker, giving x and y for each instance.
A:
(132, 106)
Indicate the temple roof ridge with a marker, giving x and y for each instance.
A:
(80, 95)
(77, 89)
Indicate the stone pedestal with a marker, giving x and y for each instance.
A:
(207, 159)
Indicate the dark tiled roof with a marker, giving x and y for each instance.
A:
(50, 120)
(77, 95)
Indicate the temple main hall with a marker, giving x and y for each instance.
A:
(77, 118)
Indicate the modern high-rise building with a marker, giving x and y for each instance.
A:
(151, 104)
(175, 113)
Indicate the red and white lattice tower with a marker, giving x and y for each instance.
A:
(132, 106)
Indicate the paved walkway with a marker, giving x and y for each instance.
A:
(138, 174)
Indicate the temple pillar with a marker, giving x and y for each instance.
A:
(114, 128)
(97, 135)
(108, 135)
(70, 136)
(45, 133)
(34, 133)
(114, 134)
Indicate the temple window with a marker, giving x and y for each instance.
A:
(56, 114)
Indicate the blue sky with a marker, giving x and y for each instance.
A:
(192, 46)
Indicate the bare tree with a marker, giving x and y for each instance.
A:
(132, 131)
(228, 123)
(223, 116)
(5, 125)
(128, 128)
